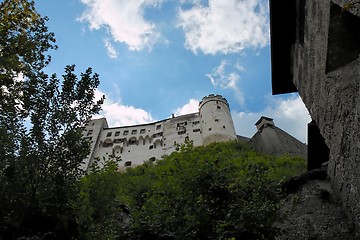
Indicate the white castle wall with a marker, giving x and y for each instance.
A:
(216, 122)
(136, 144)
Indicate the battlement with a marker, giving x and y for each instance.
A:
(212, 97)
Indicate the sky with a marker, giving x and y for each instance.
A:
(156, 58)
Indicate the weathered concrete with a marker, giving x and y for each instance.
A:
(331, 91)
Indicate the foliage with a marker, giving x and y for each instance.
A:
(41, 122)
(221, 191)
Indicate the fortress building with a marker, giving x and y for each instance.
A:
(213, 123)
(134, 144)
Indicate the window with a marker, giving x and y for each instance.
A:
(196, 122)
(152, 159)
(196, 130)
(343, 40)
(158, 127)
(88, 138)
(133, 131)
(142, 130)
(223, 126)
(119, 140)
(216, 120)
(181, 124)
(89, 132)
(218, 107)
(132, 141)
(127, 164)
(151, 147)
(107, 143)
(181, 132)
(209, 129)
(126, 132)
(109, 134)
(117, 133)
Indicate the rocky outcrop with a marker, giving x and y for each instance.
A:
(310, 210)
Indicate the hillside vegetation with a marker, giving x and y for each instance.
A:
(221, 191)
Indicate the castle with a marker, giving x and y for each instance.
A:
(213, 123)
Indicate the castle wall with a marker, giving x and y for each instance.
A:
(136, 144)
(330, 89)
(216, 122)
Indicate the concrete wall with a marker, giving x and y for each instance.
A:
(330, 92)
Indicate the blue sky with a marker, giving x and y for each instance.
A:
(159, 57)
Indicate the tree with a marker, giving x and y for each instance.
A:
(41, 122)
(221, 191)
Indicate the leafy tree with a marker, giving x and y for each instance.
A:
(221, 191)
(41, 123)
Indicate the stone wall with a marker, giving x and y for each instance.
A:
(331, 93)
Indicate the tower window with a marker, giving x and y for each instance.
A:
(142, 130)
(218, 107)
(117, 133)
(209, 129)
(133, 131)
(126, 132)
(216, 120)
(109, 134)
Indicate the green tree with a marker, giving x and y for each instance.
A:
(221, 191)
(41, 122)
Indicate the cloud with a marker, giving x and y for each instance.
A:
(191, 107)
(110, 49)
(122, 115)
(124, 21)
(289, 114)
(221, 78)
(225, 26)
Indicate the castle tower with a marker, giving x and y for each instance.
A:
(215, 119)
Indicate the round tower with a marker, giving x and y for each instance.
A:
(215, 119)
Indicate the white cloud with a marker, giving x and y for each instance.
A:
(225, 26)
(122, 115)
(221, 78)
(290, 115)
(110, 49)
(191, 107)
(124, 20)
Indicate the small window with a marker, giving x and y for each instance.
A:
(196, 122)
(132, 141)
(158, 127)
(126, 132)
(117, 133)
(119, 140)
(218, 107)
(151, 147)
(196, 130)
(109, 134)
(127, 164)
(142, 130)
(88, 138)
(133, 131)
(216, 120)
(152, 159)
(224, 127)
(181, 132)
(209, 129)
(89, 132)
